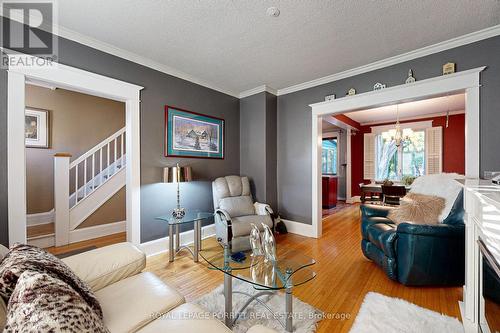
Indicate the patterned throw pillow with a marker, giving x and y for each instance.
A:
(43, 303)
(22, 257)
(418, 209)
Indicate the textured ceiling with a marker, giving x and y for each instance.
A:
(234, 45)
(410, 110)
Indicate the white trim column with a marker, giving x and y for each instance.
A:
(472, 131)
(348, 173)
(133, 171)
(16, 158)
(61, 198)
(317, 140)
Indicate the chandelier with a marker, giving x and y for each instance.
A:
(398, 135)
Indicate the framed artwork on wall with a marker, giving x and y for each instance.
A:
(36, 128)
(190, 134)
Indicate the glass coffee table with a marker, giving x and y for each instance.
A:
(290, 270)
(194, 217)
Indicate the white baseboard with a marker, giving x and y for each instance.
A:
(40, 218)
(79, 235)
(160, 245)
(43, 242)
(298, 228)
(83, 234)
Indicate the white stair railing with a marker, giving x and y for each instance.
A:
(75, 181)
(97, 166)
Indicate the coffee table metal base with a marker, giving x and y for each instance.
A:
(231, 318)
(176, 237)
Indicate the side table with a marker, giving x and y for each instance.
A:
(194, 217)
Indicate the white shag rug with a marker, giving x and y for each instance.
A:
(385, 314)
(305, 316)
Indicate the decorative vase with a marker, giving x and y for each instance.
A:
(269, 244)
(255, 241)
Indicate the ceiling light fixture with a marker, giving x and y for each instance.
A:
(273, 12)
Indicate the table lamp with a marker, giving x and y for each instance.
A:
(177, 175)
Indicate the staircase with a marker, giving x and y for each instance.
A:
(80, 188)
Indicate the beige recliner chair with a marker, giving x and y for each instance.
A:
(235, 211)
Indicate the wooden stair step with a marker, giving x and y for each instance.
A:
(40, 230)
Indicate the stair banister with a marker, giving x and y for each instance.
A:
(61, 198)
(97, 147)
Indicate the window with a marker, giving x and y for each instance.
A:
(406, 160)
(329, 156)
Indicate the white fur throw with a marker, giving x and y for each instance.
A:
(441, 185)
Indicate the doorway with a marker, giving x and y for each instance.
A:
(77, 80)
(466, 82)
(92, 130)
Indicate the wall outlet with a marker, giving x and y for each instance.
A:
(491, 174)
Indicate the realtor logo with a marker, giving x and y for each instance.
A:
(29, 30)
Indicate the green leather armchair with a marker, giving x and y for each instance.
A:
(415, 254)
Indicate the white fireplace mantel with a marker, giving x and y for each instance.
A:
(482, 220)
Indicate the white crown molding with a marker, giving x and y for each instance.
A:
(258, 90)
(127, 55)
(418, 53)
(113, 50)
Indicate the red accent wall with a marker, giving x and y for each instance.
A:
(453, 147)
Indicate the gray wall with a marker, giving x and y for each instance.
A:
(252, 142)
(159, 89)
(294, 120)
(271, 150)
(258, 116)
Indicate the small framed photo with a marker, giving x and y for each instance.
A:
(190, 134)
(36, 128)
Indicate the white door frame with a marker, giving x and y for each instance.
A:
(467, 82)
(81, 81)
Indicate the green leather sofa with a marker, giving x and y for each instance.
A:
(414, 254)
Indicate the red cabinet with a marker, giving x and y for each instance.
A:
(329, 186)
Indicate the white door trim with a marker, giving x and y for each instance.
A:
(81, 81)
(467, 82)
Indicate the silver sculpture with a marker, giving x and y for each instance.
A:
(269, 244)
(255, 241)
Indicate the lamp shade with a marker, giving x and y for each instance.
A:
(177, 174)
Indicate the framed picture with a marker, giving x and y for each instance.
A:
(190, 134)
(36, 128)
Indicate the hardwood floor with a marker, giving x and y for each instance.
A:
(343, 278)
(97, 242)
(39, 230)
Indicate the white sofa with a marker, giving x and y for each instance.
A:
(136, 301)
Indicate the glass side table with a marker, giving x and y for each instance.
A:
(194, 217)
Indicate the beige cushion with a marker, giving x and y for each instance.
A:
(3, 314)
(187, 318)
(230, 186)
(3, 251)
(418, 209)
(241, 226)
(129, 304)
(104, 266)
(237, 206)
